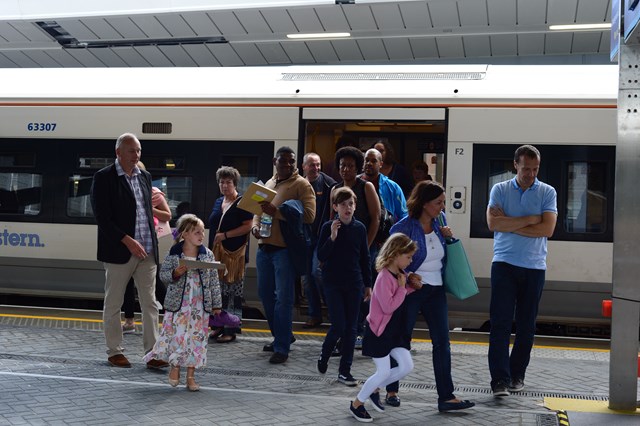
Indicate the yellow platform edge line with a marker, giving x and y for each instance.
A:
(304, 333)
(583, 406)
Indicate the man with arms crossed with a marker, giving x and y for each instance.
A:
(127, 245)
(522, 214)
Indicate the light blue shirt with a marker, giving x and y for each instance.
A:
(517, 250)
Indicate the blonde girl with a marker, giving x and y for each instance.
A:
(192, 295)
(385, 335)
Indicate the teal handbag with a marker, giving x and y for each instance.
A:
(458, 277)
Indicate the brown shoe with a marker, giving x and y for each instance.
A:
(156, 364)
(119, 361)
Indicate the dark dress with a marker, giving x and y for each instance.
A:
(393, 336)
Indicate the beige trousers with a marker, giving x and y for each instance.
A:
(116, 278)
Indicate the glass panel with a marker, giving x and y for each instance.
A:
(177, 190)
(499, 171)
(17, 160)
(88, 162)
(586, 209)
(248, 168)
(78, 201)
(20, 193)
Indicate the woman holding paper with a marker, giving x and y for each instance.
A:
(229, 228)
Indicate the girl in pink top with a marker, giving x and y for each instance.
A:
(385, 336)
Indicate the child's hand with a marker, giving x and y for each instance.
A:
(402, 280)
(179, 271)
(335, 225)
(414, 281)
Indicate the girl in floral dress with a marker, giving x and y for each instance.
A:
(192, 295)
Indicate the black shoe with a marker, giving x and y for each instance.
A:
(269, 346)
(500, 389)
(375, 401)
(392, 401)
(360, 414)
(347, 380)
(517, 385)
(323, 364)
(443, 407)
(278, 358)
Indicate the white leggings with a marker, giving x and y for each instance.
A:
(384, 374)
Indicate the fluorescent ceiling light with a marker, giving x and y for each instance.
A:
(319, 35)
(577, 27)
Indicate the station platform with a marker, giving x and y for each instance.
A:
(54, 371)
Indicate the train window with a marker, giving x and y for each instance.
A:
(248, 168)
(17, 160)
(499, 171)
(178, 191)
(583, 177)
(156, 162)
(586, 205)
(78, 201)
(87, 162)
(20, 193)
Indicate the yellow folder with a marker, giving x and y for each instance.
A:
(254, 195)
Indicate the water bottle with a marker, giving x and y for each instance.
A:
(265, 225)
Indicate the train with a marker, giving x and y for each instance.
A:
(59, 127)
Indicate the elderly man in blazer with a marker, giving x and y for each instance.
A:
(127, 245)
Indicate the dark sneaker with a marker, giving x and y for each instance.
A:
(500, 389)
(444, 407)
(347, 379)
(375, 401)
(269, 346)
(323, 364)
(392, 401)
(358, 344)
(360, 414)
(278, 358)
(517, 385)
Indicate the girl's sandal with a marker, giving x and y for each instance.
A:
(226, 338)
(174, 382)
(192, 385)
(216, 332)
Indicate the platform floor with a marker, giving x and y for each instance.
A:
(54, 372)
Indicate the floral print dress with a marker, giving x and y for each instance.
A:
(183, 338)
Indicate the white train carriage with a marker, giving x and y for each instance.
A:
(59, 126)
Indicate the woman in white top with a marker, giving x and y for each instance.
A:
(426, 205)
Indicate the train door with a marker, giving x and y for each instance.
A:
(414, 139)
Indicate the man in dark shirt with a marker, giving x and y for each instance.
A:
(312, 281)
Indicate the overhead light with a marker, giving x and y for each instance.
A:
(580, 27)
(318, 35)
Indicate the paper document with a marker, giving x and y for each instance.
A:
(255, 194)
(196, 264)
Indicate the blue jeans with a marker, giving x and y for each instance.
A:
(513, 290)
(343, 301)
(431, 301)
(276, 277)
(312, 282)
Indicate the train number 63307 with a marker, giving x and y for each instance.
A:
(41, 127)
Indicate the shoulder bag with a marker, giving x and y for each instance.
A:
(459, 280)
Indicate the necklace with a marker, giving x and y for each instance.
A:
(431, 241)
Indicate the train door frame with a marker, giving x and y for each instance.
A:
(372, 122)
